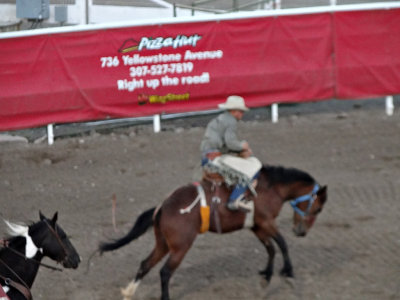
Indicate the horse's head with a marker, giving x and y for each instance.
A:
(48, 236)
(306, 209)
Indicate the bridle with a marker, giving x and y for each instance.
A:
(22, 287)
(57, 236)
(310, 197)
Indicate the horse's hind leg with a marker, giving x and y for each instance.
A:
(168, 269)
(159, 251)
(179, 245)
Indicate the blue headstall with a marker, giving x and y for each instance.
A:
(309, 197)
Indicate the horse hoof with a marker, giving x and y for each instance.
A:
(290, 281)
(287, 273)
(264, 283)
(267, 275)
(130, 290)
(126, 293)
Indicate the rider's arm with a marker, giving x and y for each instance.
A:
(232, 141)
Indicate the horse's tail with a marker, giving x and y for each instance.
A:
(143, 222)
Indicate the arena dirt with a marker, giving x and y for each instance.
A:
(352, 252)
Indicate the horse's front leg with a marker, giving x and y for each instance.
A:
(287, 269)
(269, 270)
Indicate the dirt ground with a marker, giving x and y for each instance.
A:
(352, 252)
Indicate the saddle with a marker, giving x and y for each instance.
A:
(217, 180)
(210, 211)
(213, 177)
(230, 170)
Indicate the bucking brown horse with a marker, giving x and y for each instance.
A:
(184, 214)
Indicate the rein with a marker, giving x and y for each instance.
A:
(22, 288)
(33, 260)
(308, 197)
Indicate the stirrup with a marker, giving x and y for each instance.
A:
(234, 205)
(237, 203)
(245, 205)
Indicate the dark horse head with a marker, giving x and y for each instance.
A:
(54, 242)
(306, 196)
(22, 253)
(307, 209)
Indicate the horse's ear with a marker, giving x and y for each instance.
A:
(42, 217)
(323, 191)
(54, 219)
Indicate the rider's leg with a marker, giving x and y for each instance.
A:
(237, 194)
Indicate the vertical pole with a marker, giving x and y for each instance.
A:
(389, 105)
(50, 134)
(274, 106)
(235, 5)
(274, 113)
(174, 12)
(156, 123)
(87, 11)
(333, 2)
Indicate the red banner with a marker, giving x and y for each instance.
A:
(144, 70)
(367, 47)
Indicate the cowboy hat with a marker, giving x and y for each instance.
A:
(234, 102)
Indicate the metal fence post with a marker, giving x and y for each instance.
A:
(389, 105)
(157, 123)
(274, 113)
(50, 134)
(235, 5)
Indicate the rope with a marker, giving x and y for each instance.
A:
(190, 207)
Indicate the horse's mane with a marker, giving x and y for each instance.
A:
(279, 174)
(19, 235)
(14, 229)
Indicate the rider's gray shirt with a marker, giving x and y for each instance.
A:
(221, 135)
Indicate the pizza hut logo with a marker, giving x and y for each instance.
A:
(128, 46)
(148, 43)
